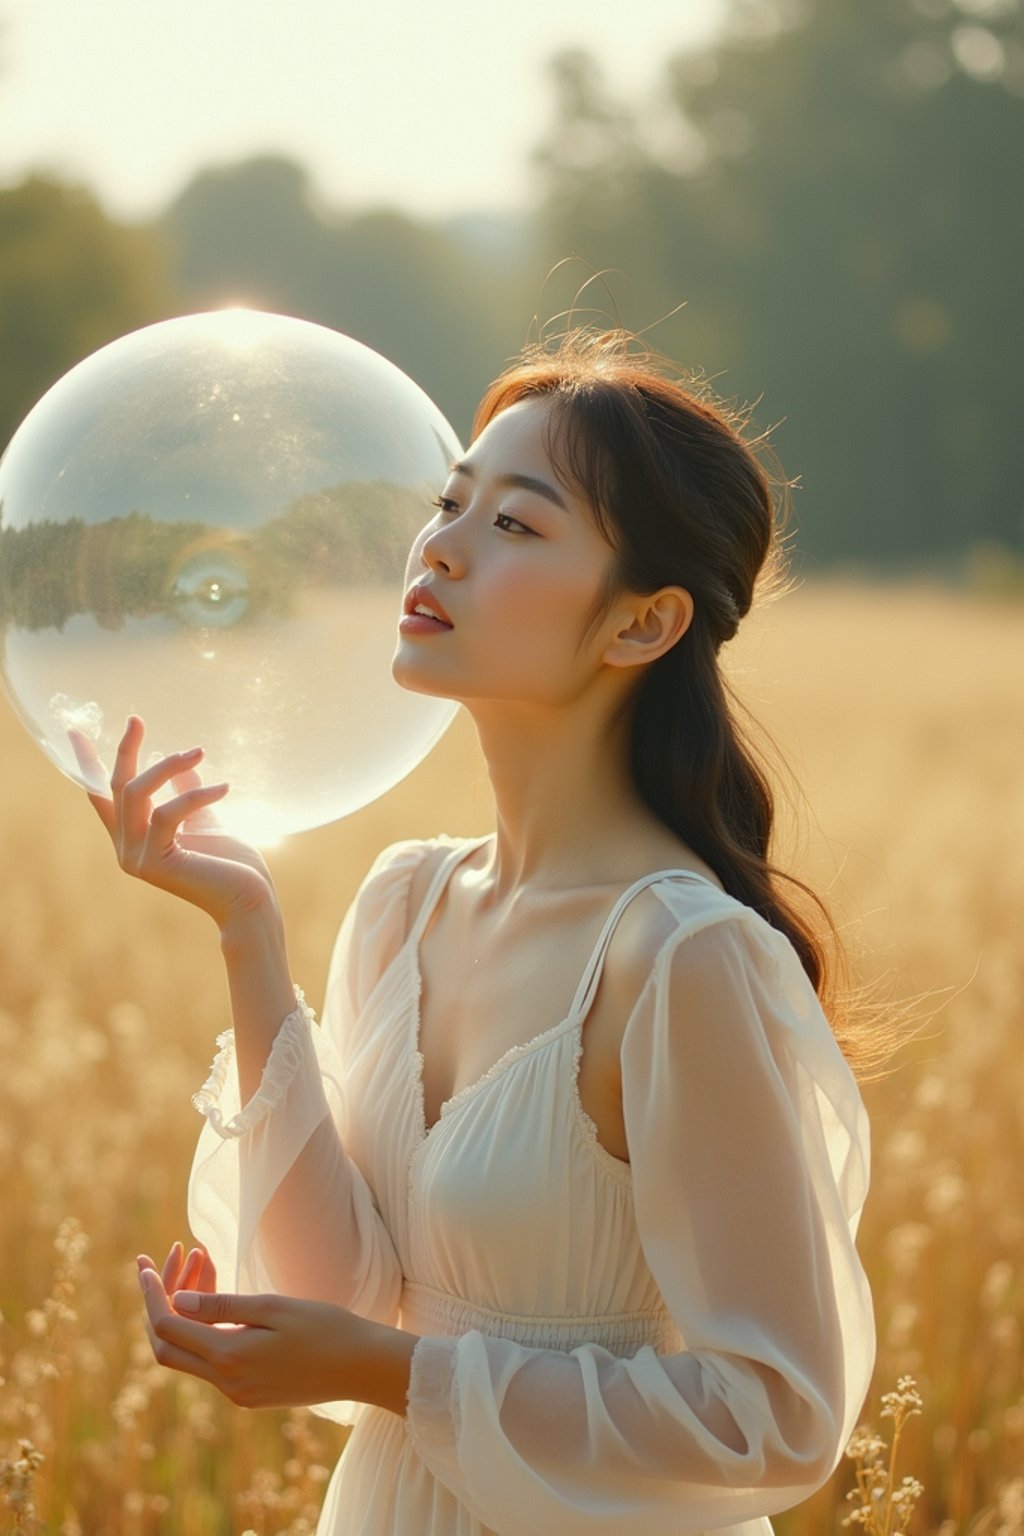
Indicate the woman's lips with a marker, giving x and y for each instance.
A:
(425, 622)
(422, 624)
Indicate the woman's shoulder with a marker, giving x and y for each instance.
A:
(402, 871)
(675, 903)
(377, 921)
(414, 853)
(421, 859)
(657, 923)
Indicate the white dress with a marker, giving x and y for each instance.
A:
(669, 1347)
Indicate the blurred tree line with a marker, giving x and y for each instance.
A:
(138, 566)
(832, 191)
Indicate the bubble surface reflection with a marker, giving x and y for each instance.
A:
(206, 523)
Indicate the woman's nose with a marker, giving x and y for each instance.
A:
(440, 551)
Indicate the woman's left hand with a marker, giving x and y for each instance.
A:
(276, 1351)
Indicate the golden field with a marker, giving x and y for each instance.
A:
(901, 712)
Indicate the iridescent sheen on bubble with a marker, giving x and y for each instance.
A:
(206, 523)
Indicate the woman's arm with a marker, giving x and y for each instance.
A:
(282, 1132)
(299, 1215)
(259, 986)
(273, 1193)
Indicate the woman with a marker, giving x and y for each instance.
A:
(558, 1204)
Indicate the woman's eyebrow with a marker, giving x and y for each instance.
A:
(522, 482)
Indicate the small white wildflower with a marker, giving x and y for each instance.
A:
(909, 1491)
(865, 1445)
(906, 1400)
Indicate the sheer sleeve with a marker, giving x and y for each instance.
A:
(273, 1195)
(748, 1147)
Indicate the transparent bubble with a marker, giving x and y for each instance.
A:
(206, 523)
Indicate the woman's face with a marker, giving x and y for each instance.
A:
(515, 562)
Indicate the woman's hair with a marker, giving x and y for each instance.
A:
(684, 500)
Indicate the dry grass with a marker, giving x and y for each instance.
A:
(902, 711)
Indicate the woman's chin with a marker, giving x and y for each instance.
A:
(413, 681)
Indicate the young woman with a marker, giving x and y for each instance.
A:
(557, 1205)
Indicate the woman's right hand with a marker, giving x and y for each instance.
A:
(219, 874)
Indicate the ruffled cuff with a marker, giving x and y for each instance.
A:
(432, 1410)
(291, 1041)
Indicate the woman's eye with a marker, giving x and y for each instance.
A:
(449, 508)
(510, 524)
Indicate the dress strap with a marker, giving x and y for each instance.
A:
(442, 875)
(591, 977)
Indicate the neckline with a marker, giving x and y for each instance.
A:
(497, 1069)
(581, 1003)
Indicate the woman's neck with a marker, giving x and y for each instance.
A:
(566, 808)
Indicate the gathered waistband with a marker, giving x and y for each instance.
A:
(437, 1313)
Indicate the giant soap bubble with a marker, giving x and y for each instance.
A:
(206, 523)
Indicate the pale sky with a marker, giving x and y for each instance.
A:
(431, 107)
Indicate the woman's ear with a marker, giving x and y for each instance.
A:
(651, 625)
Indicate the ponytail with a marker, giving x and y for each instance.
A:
(696, 773)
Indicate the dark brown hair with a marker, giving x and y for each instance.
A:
(683, 498)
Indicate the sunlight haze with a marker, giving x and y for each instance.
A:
(430, 108)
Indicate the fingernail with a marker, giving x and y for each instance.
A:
(187, 1301)
(145, 1280)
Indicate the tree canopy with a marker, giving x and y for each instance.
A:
(71, 279)
(835, 196)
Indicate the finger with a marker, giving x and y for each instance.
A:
(167, 820)
(164, 771)
(208, 1307)
(91, 767)
(203, 820)
(189, 1267)
(154, 1295)
(166, 1324)
(144, 1262)
(126, 759)
(176, 1359)
(169, 1348)
(188, 779)
(170, 1275)
(134, 798)
(191, 1270)
(207, 1274)
(126, 766)
(217, 1346)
